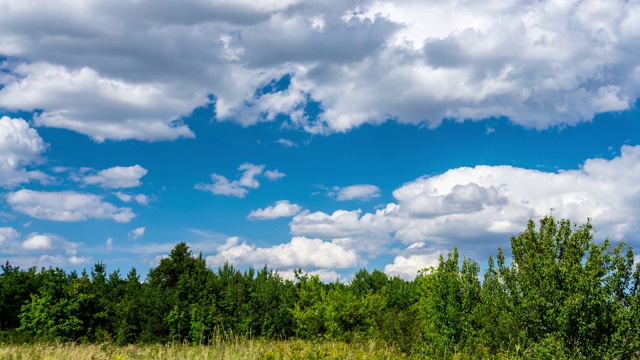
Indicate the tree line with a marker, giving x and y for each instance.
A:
(561, 294)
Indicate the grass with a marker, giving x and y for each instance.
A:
(258, 349)
(243, 349)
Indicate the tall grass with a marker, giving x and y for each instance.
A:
(232, 350)
(229, 350)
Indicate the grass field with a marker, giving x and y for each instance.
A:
(255, 349)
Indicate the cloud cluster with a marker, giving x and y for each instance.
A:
(282, 208)
(239, 188)
(83, 100)
(301, 251)
(39, 249)
(539, 63)
(66, 206)
(20, 146)
(478, 209)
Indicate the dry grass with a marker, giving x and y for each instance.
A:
(242, 349)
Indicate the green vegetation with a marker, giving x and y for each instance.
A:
(562, 296)
(236, 350)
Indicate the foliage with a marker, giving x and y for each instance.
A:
(560, 295)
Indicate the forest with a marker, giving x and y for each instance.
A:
(559, 294)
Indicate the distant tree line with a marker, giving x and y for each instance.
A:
(562, 295)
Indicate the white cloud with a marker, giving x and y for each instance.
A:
(38, 249)
(20, 146)
(479, 208)
(142, 199)
(239, 188)
(137, 233)
(415, 257)
(286, 142)
(117, 177)
(361, 192)
(368, 232)
(460, 199)
(325, 275)
(52, 260)
(38, 242)
(300, 252)
(273, 175)
(282, 208)
(123, 197)
(74, 260)
(250, 171)
(7, 235)
(102, 107)
(222, 186)
(66, 206)
(539, 63)
(407, 267)
(48, 242)
(139, 198)
(109, 244)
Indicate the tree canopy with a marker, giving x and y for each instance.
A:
(559, 294)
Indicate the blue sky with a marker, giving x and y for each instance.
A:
(327, 136)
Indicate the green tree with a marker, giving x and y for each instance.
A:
(16, 287)
(567, 291)
(63, 311)
(309, 310)
(449, 297)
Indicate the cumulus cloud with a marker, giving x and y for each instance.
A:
(48, 242)
(481, 207)
(407, 267)
(300, 252)
(75, 260)
(540, 64)
(368, 232)
(361, 192)
(239, 188)
(38, 249)
(38, 242)
(117, 177)
(83, 100)
(66, 206)
(282, 208)
(461, 199)
(136, 233)
(410, 261)
(20, 146)
(7, 235)
(109, 244)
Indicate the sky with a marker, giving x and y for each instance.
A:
(316, 134)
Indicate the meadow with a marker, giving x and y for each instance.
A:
(239, 349)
